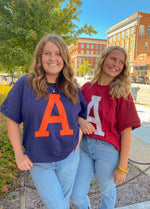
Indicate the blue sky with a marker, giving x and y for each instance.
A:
(104, 14)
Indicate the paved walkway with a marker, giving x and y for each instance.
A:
(143, 132)
(140, 149)
(143, 205)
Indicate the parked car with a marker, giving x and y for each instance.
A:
(147, 80)
(88, 76)
(5, 79)
(141, 79)
(133, 78)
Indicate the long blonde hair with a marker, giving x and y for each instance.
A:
(120, 86)
(64, 82)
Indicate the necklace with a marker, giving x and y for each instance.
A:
(53, 89)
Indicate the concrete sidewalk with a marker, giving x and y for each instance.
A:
(140, 152)
(140, 145)
(140, 149)
(142, 205)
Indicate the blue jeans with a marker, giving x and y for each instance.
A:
(54, 181)
(98, 157)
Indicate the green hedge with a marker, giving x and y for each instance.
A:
(8, 168)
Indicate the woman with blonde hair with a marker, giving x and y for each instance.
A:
(48, 102)
(111, 116)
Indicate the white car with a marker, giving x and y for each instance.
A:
(88, 76)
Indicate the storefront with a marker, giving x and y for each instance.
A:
(141, 66)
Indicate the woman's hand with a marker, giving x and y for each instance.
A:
(86, 126)
(124, 155)
(118, 177)
(23, 162)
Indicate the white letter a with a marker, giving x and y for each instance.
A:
(96, 119)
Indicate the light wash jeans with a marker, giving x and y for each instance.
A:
(54, 181)
(98, 157)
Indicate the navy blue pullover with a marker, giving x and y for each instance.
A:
(51, 129)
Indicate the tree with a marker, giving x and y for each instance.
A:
(24, 22)
(84, 68)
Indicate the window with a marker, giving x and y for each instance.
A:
(92, 46)
(148, 31)
(87, 52)
(141, 58)
(82, 46)
(146, 45)
(87, 46)
(113, 38)
(118, 37)
(142, 29)
(96, 46)
(130, 56)
(110, 40)
(100, 46)
(132, 31)
(92, 52)
(131, 45)
(82, 52)
(96, 52)
(127, 33)
(122, 35)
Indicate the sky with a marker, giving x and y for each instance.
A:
(103, 14)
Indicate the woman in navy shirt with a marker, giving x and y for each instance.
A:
(48, 102)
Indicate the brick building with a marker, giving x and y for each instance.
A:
(133, 34)
(86, 49)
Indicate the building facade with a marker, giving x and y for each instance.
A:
(133, 34)
(86, 49)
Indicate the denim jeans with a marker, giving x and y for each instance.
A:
(54, 181)
(98, 157)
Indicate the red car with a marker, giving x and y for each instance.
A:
(140, 79)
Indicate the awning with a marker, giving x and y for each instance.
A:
(145, 65)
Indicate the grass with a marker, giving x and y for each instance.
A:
(8, 168)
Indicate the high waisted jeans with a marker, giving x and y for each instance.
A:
(54, 181)
(101, 158)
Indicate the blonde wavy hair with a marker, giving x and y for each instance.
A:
(64, 82)
(120, 86)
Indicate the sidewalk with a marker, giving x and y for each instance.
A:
(143, 205)
(140, 149)
(143, 132)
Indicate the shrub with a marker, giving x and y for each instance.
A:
(4, 89)
(8, 168)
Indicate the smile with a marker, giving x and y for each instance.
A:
(115, 70)
(52, 64)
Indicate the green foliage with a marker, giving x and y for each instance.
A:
(94, 183)
(8, 169)
(24, 22)
(84, 68)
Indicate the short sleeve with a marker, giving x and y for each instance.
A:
(12, 105)
(127, 114)
(83, 112)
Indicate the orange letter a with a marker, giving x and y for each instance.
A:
(47, 118)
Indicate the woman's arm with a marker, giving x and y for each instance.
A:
(14, 134)
(124, 155)
(80, 137)
(85, 127)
